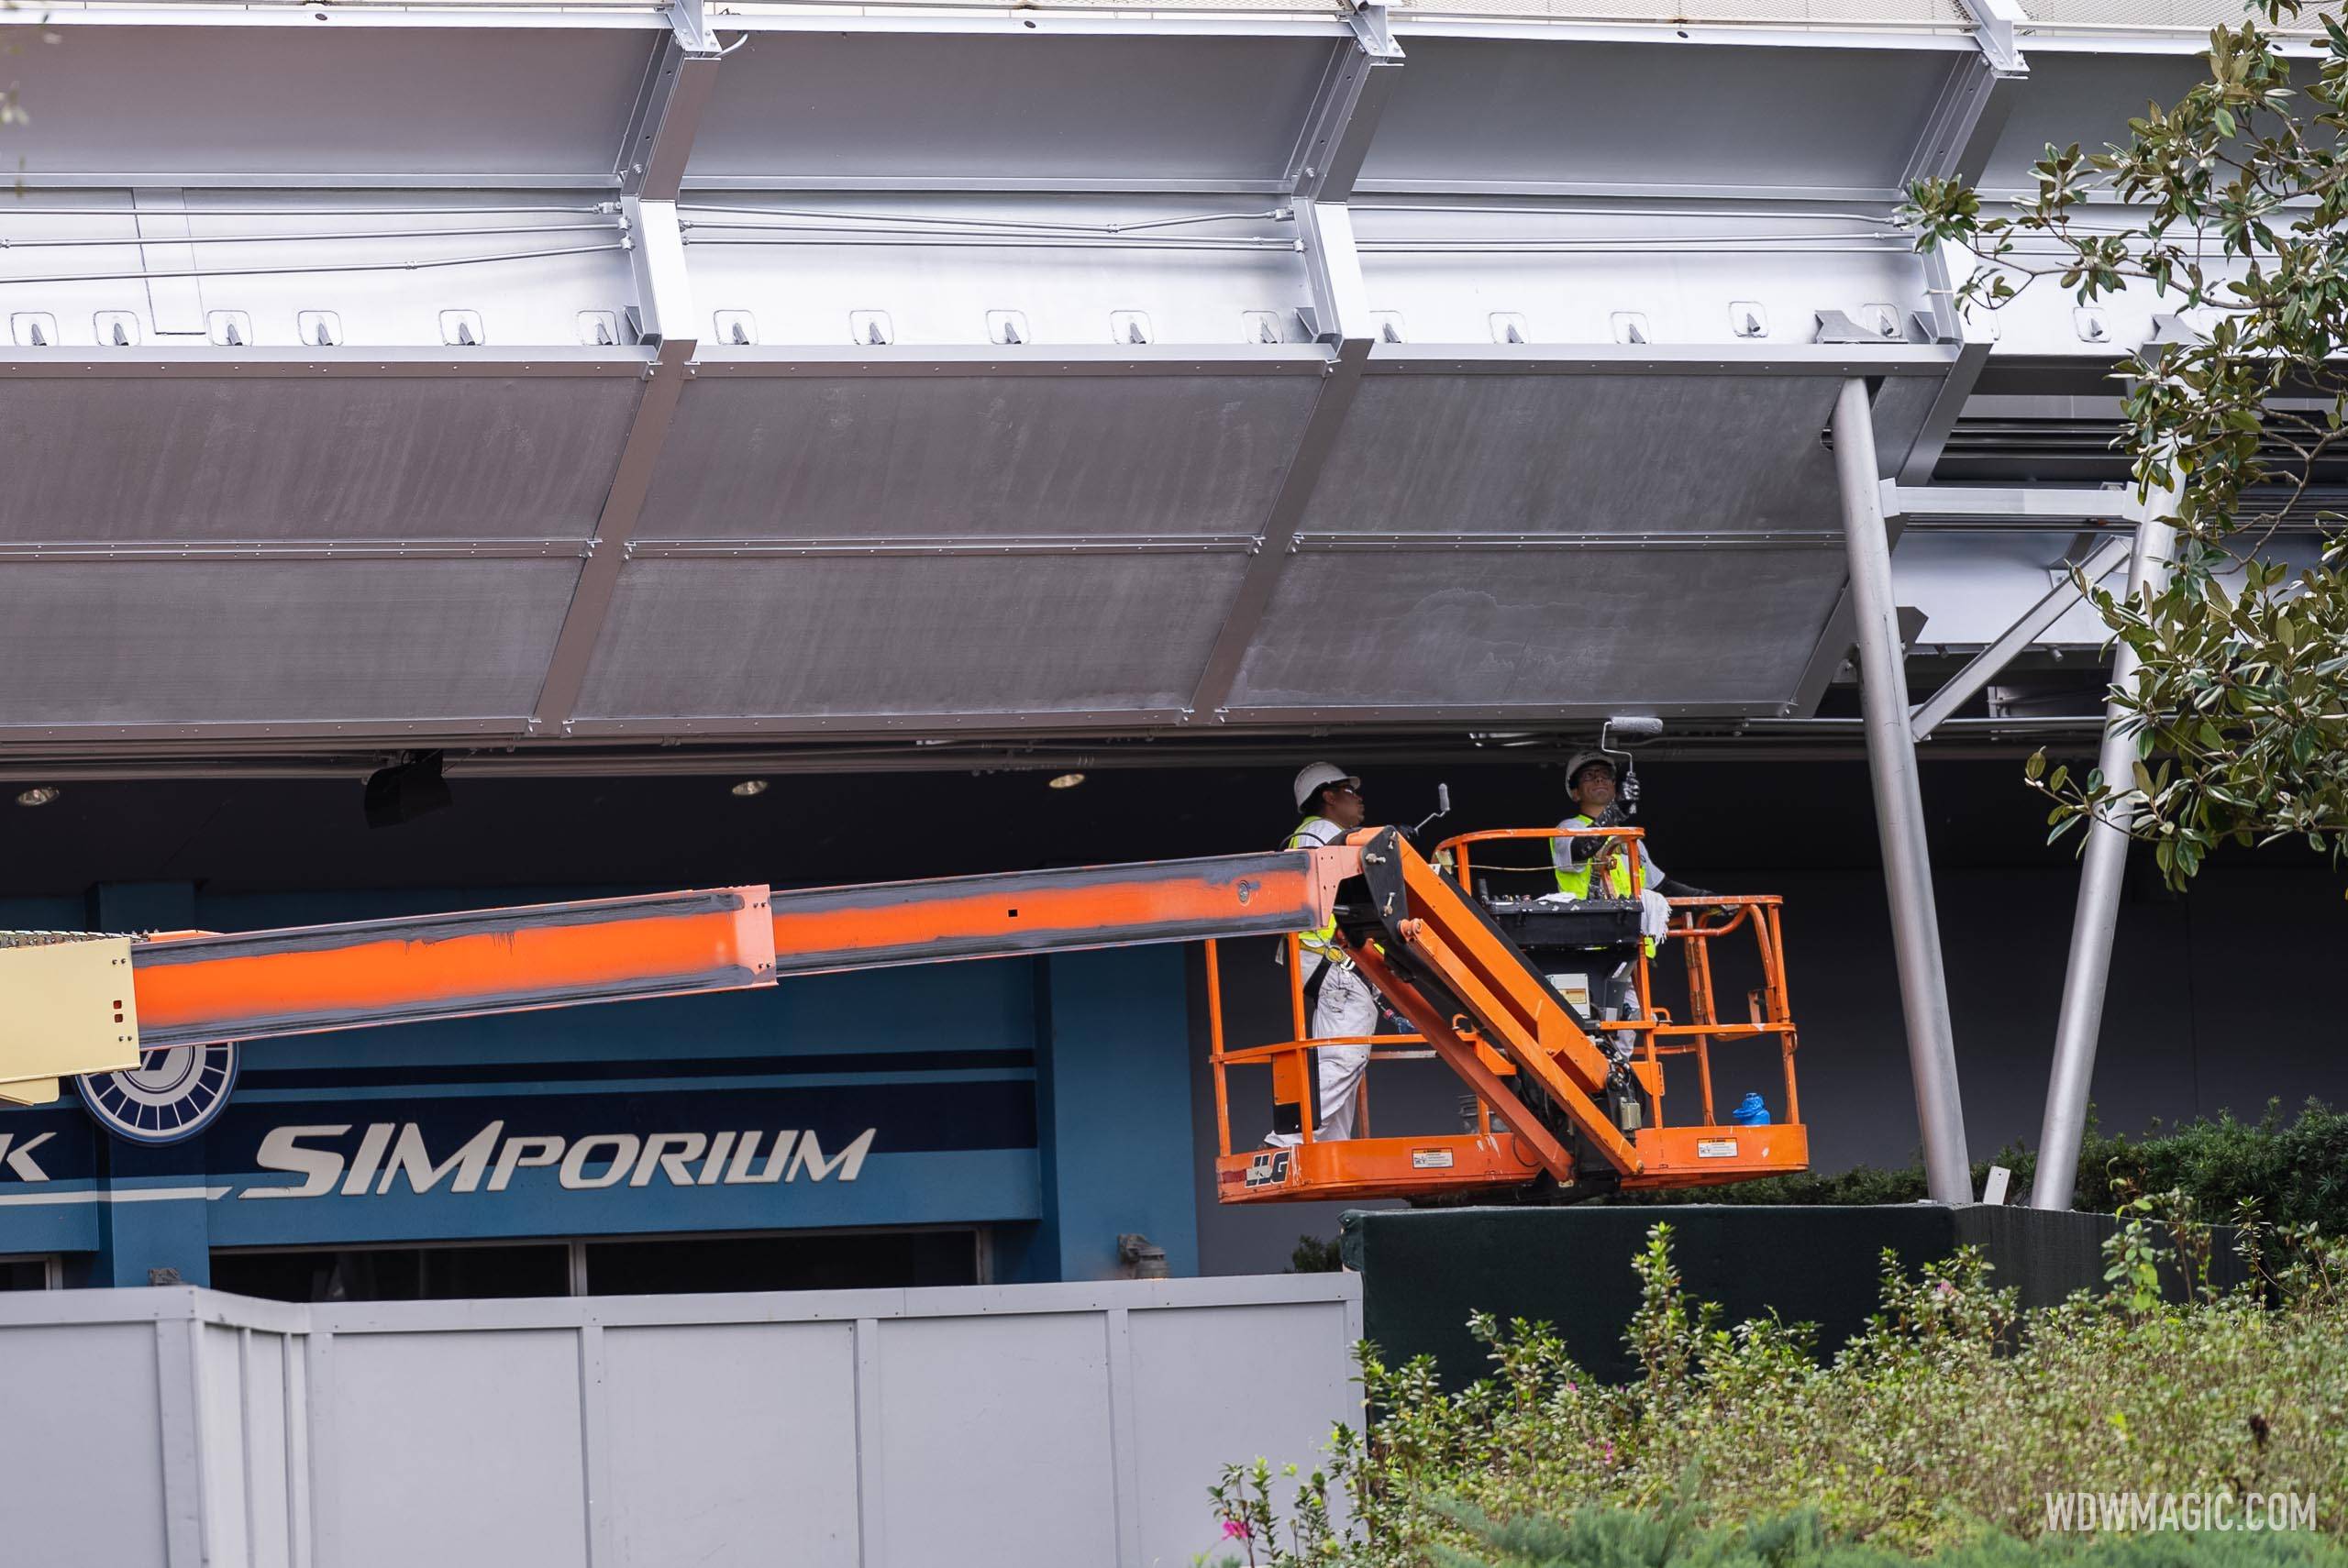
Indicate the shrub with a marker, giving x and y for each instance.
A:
(2295, 1171)
(1315, 1254)
(1944, 1425)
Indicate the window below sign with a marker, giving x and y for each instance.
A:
(396, 1274)
(818, 1261)
(656, 1265)
(27, 1273)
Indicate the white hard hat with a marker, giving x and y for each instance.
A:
(1310, 780)
(1583, 760)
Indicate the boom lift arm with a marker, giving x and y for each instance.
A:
(1551, 1092)
(87, 1004)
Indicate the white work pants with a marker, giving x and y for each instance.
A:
(1347, 1006)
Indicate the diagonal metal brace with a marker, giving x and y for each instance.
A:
(2106, 558)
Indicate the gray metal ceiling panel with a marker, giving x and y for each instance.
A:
(1725, 626)
(1630, 454)
(810, 107)
(923, 635)
(120, 459)
(1658, 114)
(186, 643)
(1104, 457)
(211, 102)
(1902, 406)
(2083, 98)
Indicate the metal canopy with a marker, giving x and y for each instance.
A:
(540, 376)
(226, 100)
(1659, 115)
(972, 457)
(1016, 109)
(159, 462)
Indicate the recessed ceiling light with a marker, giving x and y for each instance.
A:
(39, 795)
(749, 787)
(1067, 781)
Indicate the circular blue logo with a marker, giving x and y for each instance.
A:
(173, 1093)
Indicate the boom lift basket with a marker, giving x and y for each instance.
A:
(1512, 994)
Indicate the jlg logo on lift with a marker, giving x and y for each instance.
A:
(389, 1150)
(1269, 1168)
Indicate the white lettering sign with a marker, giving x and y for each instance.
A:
(21, 1164)
(390, 1154)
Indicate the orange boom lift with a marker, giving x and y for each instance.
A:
(1560, 1109)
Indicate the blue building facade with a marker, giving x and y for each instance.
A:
(997, 1098)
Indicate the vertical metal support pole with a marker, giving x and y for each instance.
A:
(2093, 924)
(1899, 804)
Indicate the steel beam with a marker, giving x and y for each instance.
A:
(1908, 502)
(160, 362)
(1827, 657)
(591, 601)
(930, 362)
(2096, 917)
(2031, 504)
(1966, 120)
(1330, 149)
(2010, 642)
(1220, 675)
(1899, 805)
(669, 107)
(1346, 111)
(1956, 389)
(652, 164)
(1876, 358)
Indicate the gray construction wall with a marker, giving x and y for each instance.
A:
(1035, 1425)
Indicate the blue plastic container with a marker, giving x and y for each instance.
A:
(1751, 1112)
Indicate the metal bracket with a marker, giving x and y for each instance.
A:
(1345, 113)
(1374, 29)
(1996, 24)
(1837, 326)
(676, 89)
(664, 295)
(1340, 308)
(690, 22)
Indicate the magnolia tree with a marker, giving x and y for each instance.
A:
(2234, 203)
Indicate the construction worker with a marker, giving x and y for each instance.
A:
(1343, 1005)
(1591, 781)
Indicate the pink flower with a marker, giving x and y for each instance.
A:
(1610, 1453)
(1235, 1530)
(1945, 1288)
(1573, 1387)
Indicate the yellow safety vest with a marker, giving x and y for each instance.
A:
(1324, 940)
(1618, 877)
